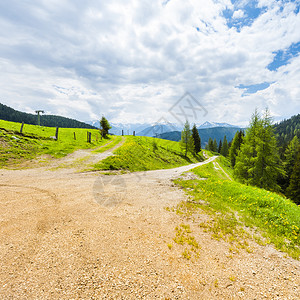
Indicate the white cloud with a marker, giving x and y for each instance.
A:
(238, 14)
(132, 60)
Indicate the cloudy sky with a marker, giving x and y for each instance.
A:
(132, 60)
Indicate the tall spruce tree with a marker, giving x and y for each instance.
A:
(243, 169)
(293, 190)
(196, 138)
(235, 146)
(210, 145)
(258, 161)
(215, 146)
(187, 142)
(290, 156)
(267, 166)
(224, 149)
(220, 147)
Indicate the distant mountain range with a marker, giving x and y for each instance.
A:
(157, 129)
(215, 124)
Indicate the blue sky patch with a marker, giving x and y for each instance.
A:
(282, 57)
(253, 88)
(251, 12)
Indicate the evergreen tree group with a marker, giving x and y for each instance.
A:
(257, 163)
(293, 190)
(212, 145)
(285, 131)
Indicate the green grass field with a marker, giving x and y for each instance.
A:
(276, 218)
(35, 141)
(144, 153)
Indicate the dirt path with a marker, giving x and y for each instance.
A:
(217, 166)
(82, 159)
(68, 235)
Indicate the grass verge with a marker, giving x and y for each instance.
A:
(145, 153)
(234, 207)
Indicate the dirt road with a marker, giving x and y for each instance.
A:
(70, 235)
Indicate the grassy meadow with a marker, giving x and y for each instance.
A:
(36, 140)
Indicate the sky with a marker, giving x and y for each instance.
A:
(137, 61)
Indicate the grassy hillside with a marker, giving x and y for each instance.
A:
(145, 153)
(35, 140)
(276, 217)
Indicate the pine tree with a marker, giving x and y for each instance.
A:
(210, 144)
(196, 138)
(293, 190)
(258, 161)
(224, 149)
(290, 156)
(235, 146)
(187, 142)
(104, 127)
(215, 146)
(267, 165)
(243, 169)
(220, 147)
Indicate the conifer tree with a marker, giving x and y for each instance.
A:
(104, 127)
(235, 146)
(267, 165)
(215, 146)
(196, 138)
(220, 147)
(290, 155)
(243, 169)
(187, 142)
(293, 190)
(224, 149)
(210, 144)
(258, 161)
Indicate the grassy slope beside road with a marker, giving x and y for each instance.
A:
(15, 147)
(276, 217)
(144, 153)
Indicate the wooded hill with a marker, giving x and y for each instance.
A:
(217, 133)
(286, 130)
(9, 114)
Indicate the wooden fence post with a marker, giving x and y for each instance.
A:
(122, 132)
(133, 133)
(74, 135)
(89, 137)
(56, 133)
(21, 130)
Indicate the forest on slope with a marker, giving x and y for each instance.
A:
(9, 114)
